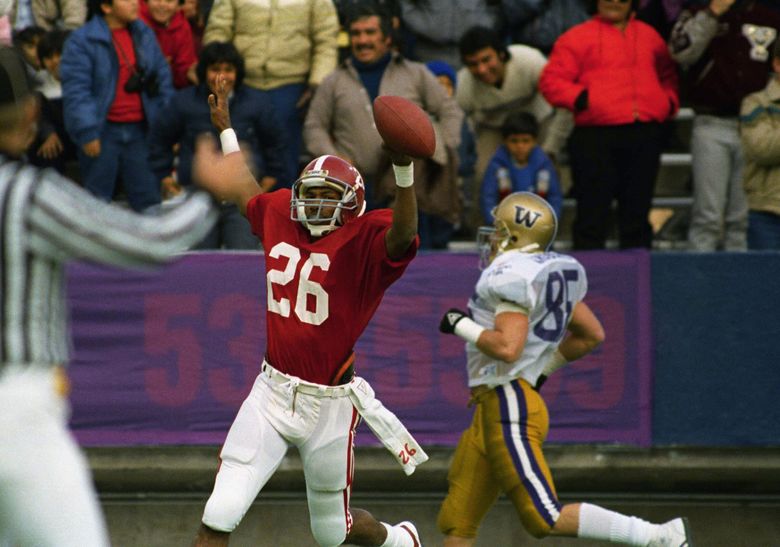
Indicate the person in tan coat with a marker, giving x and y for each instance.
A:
(289, 48)
(760, 135)
(52, 14)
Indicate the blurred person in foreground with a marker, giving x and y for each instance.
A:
(760, 132)
(525, 301)
(328, 264)
(46, 492)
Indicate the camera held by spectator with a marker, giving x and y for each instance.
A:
(139, 81)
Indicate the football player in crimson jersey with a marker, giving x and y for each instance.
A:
(328, 263)
(524, 303)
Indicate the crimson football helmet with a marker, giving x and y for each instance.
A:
(329, 172)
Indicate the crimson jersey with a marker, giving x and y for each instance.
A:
(321, 292)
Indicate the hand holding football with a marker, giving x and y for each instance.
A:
(404, 126)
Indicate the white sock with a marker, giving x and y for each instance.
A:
(599, 523)
(396, 537)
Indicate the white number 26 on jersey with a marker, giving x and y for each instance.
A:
(305, 285)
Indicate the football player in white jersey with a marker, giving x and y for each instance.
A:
(526, 319)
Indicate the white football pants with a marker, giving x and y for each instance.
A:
(281, 411)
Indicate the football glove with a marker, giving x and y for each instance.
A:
(450, 319)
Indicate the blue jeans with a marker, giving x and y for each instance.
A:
(290, 117)
(763, 231)
(123, 150)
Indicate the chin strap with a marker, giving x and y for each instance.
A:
(321, 230)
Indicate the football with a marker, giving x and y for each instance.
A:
(404, 126)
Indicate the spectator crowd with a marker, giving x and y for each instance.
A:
(516, 90)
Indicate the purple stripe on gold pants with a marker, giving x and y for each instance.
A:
(501, 451)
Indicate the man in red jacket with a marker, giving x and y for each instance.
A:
(615, 73)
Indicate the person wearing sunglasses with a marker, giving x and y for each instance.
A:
(616, 75)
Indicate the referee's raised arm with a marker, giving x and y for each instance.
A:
(64, 219)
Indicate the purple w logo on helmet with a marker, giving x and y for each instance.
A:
(525, 216)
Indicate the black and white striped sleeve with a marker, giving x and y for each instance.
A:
(67, 222)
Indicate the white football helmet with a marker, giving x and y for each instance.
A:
(330, 172)
(522, 221)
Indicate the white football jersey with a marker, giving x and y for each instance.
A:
(544, 286)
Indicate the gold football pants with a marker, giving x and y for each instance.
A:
(501, 451)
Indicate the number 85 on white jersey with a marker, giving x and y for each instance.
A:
(545, 286)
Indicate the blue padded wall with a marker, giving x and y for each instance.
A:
(717, 342)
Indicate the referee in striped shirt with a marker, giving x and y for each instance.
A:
(46, 492)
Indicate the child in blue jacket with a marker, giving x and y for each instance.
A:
(519, 165)
(115, 82)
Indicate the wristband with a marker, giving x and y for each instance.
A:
(468, 329)
(556, 361)
(229, 141)
(404, 175)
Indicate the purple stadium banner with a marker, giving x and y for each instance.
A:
(167, 356)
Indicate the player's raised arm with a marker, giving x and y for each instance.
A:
(407, 133)
(404, 227)
(225, 174)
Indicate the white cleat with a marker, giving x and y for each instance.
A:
(674, 533)
(410, 528)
